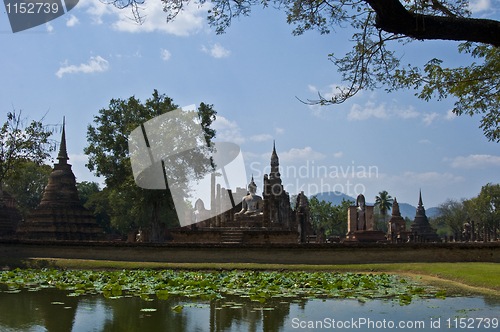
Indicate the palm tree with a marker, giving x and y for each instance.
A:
(383, 202)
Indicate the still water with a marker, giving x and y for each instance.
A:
(52, 310)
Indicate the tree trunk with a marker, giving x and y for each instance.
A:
(155, 229)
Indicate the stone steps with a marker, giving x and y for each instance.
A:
(232, 236)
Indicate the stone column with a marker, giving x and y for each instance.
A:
(218, 207)
(213, 204)
(352, 222)
(223, 213)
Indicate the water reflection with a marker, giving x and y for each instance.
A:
(52, 310)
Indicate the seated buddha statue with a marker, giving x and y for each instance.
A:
(251, 203)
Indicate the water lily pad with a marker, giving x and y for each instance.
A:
(177, 308)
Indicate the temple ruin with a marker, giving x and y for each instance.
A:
(60, 215)
(360, 225)
(397, 232)
(244, 217)
(421, 229)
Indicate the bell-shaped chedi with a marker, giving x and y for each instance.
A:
(60, 215)
(421, 226)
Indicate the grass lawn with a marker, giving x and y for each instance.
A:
(485, 276)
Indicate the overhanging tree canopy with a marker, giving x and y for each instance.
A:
(371, 64)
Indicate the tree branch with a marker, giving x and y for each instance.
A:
(393, 17)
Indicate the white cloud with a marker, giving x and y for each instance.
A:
(476, 161)
(338, 154)
(217, 51)
(261, 138)
(97, 9)
(312, 88)
(424, 141)
(476, 6)
(358, 112)
(300, 154)
(228, 130)
(279, 131)
(428, 118)
(165, 55)
(408, 113)
(189, 21)
(450, 115)
(72, 21)
(95, 64)
(79, 158)
(316, 110)
(49, 27)
(370, 109)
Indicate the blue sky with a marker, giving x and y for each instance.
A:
(74, 65)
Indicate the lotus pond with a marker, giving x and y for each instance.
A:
(149, 300)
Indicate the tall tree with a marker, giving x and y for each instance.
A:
(384, 203)
(109, 156)
(332, 217)
(86, 189)
(485, 208)
(378, 26)
(21, 143)
(454, 215)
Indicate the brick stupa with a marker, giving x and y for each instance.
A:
(60, 215)
(421, 226)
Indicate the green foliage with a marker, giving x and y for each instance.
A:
(129, 205)
(27, 185)
(453, 214)
(486, 206)
(475, 86)
(379, 221)
(258, 286)
(384, 203)
(20, 143)
(86, 189)
(483, 209)
(332, 217)
(98, 203)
